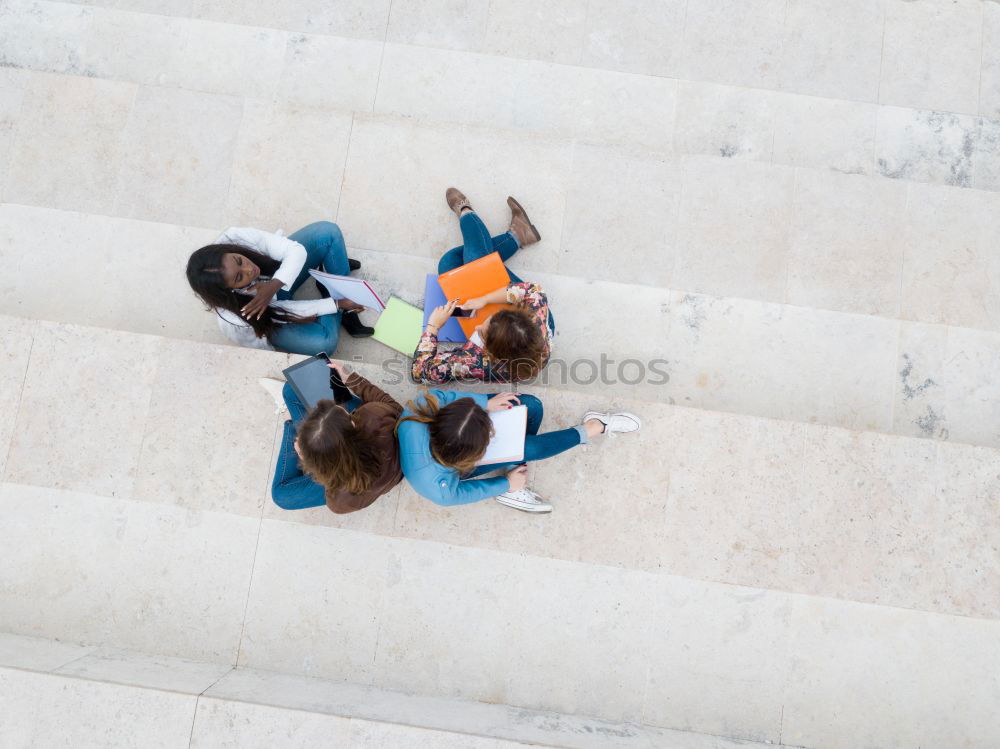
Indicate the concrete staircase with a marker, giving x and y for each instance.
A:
(774, 199)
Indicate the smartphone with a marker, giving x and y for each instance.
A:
(341, 393)
(459, 312)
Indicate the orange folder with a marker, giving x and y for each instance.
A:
(477, 278)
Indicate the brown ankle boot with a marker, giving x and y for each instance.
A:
(456, 200)
(520, 225)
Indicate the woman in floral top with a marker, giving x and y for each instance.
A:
(511, 345)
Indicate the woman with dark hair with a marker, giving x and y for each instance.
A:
(345, 456)
(248, 278)
(443, 434)
(510, 346)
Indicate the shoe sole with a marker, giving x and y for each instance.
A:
(514, 204)
(597, 415)
(532, 509)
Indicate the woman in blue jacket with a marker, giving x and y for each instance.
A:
(443, 433)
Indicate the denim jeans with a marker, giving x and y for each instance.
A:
(539, 446)
(325, 249)
(291, 489)
(478, 243)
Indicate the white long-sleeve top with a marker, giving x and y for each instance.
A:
(292, 257)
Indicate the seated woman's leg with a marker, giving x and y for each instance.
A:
(296, 408)
(324, 243)
(505, 244)
(291, 489)
(308, 338)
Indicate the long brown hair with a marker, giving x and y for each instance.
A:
(335, 453)
(459, 432)
(514, 337)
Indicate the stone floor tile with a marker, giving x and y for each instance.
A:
(20, 692)
(209, 455)
(543, 633)
(825, 134)
(913, 78)
(176, 167)
(65, 27)
(733, 238)
(921, 403)
(16, 338)
(315, 601)
(73, 712)
(12, 84)
(288, 166)
(834, 369)
(621, 216)
(221, 724)
(224, 58)
(149, 671)
(357, 19)
(841, 643)
(69, 365)
(627, 108)
(69, 125)
(636, 36)
(833, 49)
(986, 161)
(38, 654)
(159, 7)
(553, 31)
(845, 249)
(733, 41)
(716, 120)
(69, 595)
(972, 384)
(369, 735)
(717, 659)
(486, 165)
(951, 270)
(926, 146)
(329, 72)
(137, 47)
(452, 24)
(989, 86)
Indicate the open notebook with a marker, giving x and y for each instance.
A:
(509, 429)
(346, 287)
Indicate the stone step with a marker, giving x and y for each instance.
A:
(53, 690)
(440, 621)
(211, 66)
(856, 51)
(803, 508)
(725, 354)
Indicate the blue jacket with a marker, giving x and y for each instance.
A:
(430, 479)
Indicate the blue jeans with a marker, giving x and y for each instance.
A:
(539, 446)
(325, 247)
(291, 489)
(478, 243)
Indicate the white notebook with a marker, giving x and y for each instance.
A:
(509, 428)
(346, 287)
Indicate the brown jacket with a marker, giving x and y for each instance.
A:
(376, 418)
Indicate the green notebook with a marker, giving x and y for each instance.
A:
(399, 326)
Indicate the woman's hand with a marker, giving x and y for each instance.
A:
(474, 304)
(502, 402)
(265, 293)
(340, 369)
(518, 478)
(346, 305)
(441, 314)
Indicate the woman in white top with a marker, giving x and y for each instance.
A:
(248, 278)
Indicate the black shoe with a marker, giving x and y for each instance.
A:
(353, 264)
(353, 325)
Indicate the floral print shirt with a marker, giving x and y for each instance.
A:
(471, 362)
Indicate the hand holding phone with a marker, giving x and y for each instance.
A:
(341, 393)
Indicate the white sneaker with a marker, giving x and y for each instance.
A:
(274, 388)
(524, 499)
(619, 421)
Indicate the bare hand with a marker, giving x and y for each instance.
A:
(518, 478)
(473, 304)
(340, 369)
(441, 314)
(346, 305)
(502, 401)
(265, 293)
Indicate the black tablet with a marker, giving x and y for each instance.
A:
(313, 381)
